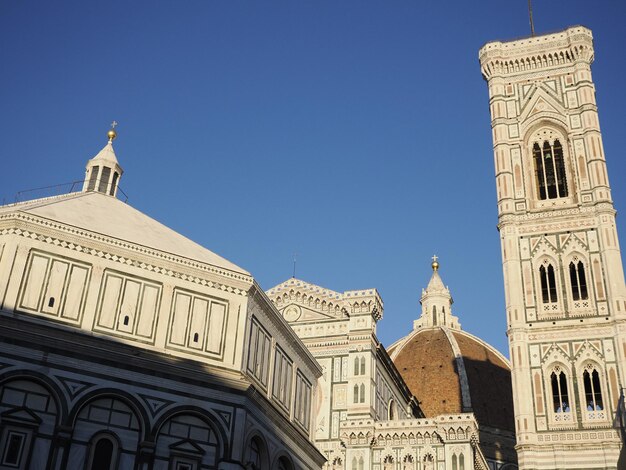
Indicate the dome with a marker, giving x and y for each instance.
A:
(450, 371)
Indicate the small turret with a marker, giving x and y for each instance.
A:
(103, 171)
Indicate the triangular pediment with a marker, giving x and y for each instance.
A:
(574, 242)
(545, 245)
(540, 102)
(187, 446)
(21, 415)
(296, 313)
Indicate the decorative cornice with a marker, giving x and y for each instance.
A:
(536, 54)
(122, 244)
(327, 301)
(53, 239)
(603, 207)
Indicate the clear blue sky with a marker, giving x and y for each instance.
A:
(355, 133)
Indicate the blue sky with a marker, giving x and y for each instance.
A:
(354, 133)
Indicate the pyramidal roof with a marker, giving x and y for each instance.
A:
(107, 154)
(435, 284)
(99, 213)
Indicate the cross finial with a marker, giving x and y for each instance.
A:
(435, 263)
(113, 124)
(295, 258)
(435, 258)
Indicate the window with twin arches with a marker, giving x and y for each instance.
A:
(576, 276)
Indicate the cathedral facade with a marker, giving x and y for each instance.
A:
(563, 274)
(367, 414)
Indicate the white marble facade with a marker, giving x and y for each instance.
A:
(365, 416)
(563, 275)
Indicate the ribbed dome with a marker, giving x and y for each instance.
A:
(450, 371)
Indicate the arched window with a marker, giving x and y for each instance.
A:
(354, 464)
(284, 464)
(560, 398)
(388, 463)
(356, 366)
(578, 280)
(103, 455)
(434, 315)
(356, 394)
(392, 409)
(409, 463)
(550, 170)
(455, 463)
(461, 462)
(362, 365)
(255, 454)
(361, 463)
(113, 184)
(548, 283)
(338, 464)
(593, 390)
(362, 390)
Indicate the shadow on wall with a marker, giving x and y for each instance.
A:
(492, 404)
(81, 401)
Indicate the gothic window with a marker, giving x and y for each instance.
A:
(593, 391)
(461, 462)
(337, 464)
(362, 393)
(578, 280)
(356, 394)
(409, 463)
(434, 315)
(361, 463)
(560, 397)
(548, 283)
(455, 462)
(388, 463)
(550, 170)
(362, 366)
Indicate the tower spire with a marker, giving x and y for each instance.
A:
(530, 17)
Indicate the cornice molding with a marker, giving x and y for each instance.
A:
(79, 241)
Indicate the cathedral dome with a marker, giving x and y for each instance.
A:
(450, 371)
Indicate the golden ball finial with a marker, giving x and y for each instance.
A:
(112, 134)
(435, 263)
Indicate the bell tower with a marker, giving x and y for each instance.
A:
(563, 274)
